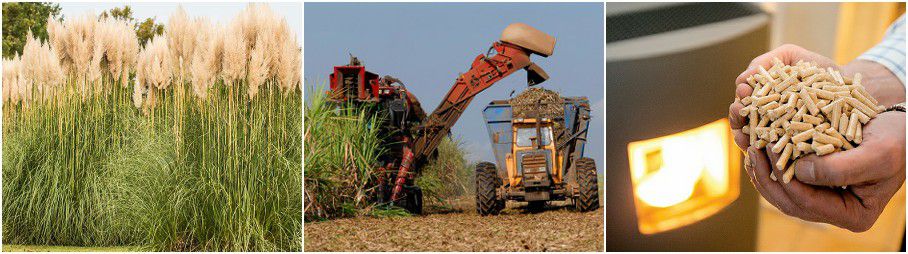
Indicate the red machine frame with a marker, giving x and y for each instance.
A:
(423, 139)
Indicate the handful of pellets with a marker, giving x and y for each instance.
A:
(805, 109)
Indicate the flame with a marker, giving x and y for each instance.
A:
(687, 167)
(674, 182)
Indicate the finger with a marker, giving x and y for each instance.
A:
(779, 172)
(871, 161)
(773, 160)
(743, 90)
(734, 119)
(850, 167)
(789, 54)
(748, 166)
(823, 204)
(770, 190)
(749, 169)
(741, 139)
(764, 60)
(737, 121)
(818, 204)
(750, 71)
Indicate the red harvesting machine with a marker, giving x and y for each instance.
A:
(413, 137)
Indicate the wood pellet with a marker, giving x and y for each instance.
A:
(805, 109)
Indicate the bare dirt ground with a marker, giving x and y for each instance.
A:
(459, 228)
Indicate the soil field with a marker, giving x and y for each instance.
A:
(459, 228)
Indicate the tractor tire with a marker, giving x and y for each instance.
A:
(414, 201)
(487, 183)
(411, 200)
(587, 182)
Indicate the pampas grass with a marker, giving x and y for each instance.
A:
(74, 41)
(57, 149)
(207, 57)
(40, 65)
(289, 65)
(93, 50)
(118, 46)
(258, 66)
(259, 43)
(234, 63)
(13, 81)
(154, 73)
(201, 150)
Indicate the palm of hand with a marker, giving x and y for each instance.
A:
(872, 172)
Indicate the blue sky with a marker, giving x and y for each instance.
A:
(216, 12)
(427, 45)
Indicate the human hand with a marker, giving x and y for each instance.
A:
(877, 80)
(789, 54)
(873, 172)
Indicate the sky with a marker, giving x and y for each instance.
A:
(215, 12)
(427, 45)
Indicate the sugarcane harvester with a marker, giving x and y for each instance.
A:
(414, 136)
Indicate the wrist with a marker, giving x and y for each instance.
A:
(894, 113)
(879, 81)
(900, 107)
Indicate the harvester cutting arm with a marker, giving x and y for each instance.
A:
(484, 72)
(512, 53)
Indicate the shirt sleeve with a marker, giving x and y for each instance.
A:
(891, 51)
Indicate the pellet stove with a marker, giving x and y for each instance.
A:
(674, 176)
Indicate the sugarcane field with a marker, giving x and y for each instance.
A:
(502, 163)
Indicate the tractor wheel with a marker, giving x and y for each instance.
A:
(411, 201)
(587, 182)
(414, 200)
(487, 183)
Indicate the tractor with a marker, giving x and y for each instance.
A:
(413, 136)
(536, 164)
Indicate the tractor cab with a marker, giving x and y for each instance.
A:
(533, 163)
(532, 133)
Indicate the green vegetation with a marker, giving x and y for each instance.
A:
(179, 158)
(58, 170)
(148, 29)
(447, 176)
(342, 150)
(342, 147)
(98, 173)
(601, 183)
(233, 182)
(20, 18)
(46, 248)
